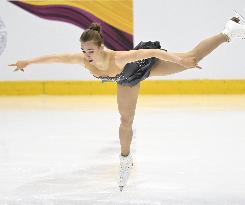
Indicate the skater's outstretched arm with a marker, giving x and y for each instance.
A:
(124, 57)
(70, 58)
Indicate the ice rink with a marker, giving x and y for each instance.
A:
(187, 150)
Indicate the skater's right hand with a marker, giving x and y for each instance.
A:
(20, 65)
(189, 62)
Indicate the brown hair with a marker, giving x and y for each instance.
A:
(93, 33)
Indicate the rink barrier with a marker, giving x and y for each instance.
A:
(95, 87)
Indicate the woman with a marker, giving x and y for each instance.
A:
(128, 68)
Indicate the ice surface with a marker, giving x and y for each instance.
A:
(58, 150)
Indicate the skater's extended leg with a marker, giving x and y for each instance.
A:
(203, 48)
(233, 29)
(126, 99)
(206, 46)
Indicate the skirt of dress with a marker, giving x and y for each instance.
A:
(137, 71)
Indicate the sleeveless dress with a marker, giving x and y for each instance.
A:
(136, 71)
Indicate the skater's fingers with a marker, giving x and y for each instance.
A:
(16, 69)
(198, 66)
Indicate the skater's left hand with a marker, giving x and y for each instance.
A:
(189, 62)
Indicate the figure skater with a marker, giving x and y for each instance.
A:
(128, 68)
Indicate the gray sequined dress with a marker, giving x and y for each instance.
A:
(136, 71)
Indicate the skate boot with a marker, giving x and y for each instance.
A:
(234, 28)
(126, 164)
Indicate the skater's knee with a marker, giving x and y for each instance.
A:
(127, 120)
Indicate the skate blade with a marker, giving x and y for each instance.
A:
(239, 16)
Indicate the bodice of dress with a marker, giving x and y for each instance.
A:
(112, 66)
(121, 76)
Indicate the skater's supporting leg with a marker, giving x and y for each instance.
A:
(127, 100)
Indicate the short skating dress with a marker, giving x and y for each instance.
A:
(136, 71)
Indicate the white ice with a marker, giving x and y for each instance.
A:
(187, 150)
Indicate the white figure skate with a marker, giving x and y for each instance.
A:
(234, 28)
(126, 164)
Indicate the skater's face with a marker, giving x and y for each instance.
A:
(91, 51)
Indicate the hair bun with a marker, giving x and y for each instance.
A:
(95, 26)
